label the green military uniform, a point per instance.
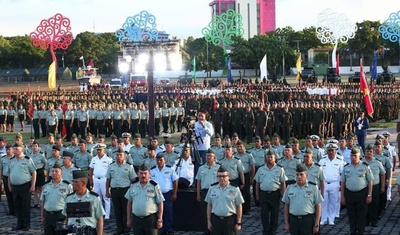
(290, 168)
(82, 159)
(219, 152)
(67, 172)
(315, 174)
(138, 155)
(355, 179)
(51, 161)
(119, 178)
(248, 162)
(53, 197)
(145, 200)
(235, 168)
(270, 181)
(4, 163)
(170, 158)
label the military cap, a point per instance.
(113, 137)
(154, 138)
(217, 136)
(360, 111)
(151, 147)
(227, 137)
(275, 136)
(160, 155)
(309, 151)
(270, 152)
(240, 142)
(166, 135)
(235, 135)
(100, 146)
(77, 174)
(308, 137)
(355, 150)
(333, 141)
(55, 147)
(18, 145)
(143, 167)
(82, 141)
(73, 136)
(222, 169)
(350, 135)
(267, 138)
(35, 142)
(301, 168)
(58, 137)
(378, 142)
(67, 154)
(379, 137)
(288, 146)
(321, 136)
(120, 140)
(228, 146)
(331, 146)
(257, 137)
(18, 135)
(137, 136)
(9, 145)
(314, 137)
(2, 139)
(210, 151)
(120, 150)
(369, 147)
(168, 142)
(48, 135)
(295, 141)
(126, 135)
(101, 136)
(386, 133)
(89, 135)
(57, 165)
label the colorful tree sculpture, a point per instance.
(138, 28)
(390, 30)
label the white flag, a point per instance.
(263, 68)
(81, 58)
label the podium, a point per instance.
(187, 214)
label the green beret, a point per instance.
(355, 151)
(222, 169)
(144, 167)
(57, 165)
(77, 174)
(301, 168)
(369, 147)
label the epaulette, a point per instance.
(338, 158)
(153, 182)
(168, 166)
(303, 151)
(295, 157)
(365, 163)
(113, 162)
(64, 181)
(176, 152)
(339, 154)
(312, 183)
(12, 157)
(347, 164)
(40, 152)
(236, 158)
(71, 194)
(3, 155)
(247, 151)
(153, 167)
(76, 150)
(317, 164)
(27, 157)
(379, 160)
(87, 151)
(279, 165)
(135, 180)
(94, 194)
(126, 152)
(214, 183)
(218, 163)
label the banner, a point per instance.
(365, 90)
(263, 68)
(52, 75)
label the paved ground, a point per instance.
(251, 222)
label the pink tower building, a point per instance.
(258, 16)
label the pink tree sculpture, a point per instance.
(53, 33)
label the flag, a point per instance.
(337, 64)
(30, 111)
(298, 67)
(374, 71)
(229, 75)
(263, 68)
(194, 69)
(81, 58)
(364, 89)
(64, 110)
(52, 75)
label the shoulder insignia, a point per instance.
(365, 163)
(279, 165)
(163, 151)
(87, 151)
(247, 151)
(168, 166)
(135, 180)
(153, 167)
(128, 163)
(94, 194)
(27, 157)
(64, 181)
(317, 164)
(153, 182)
(113, 162)
(235, 157)
(218, 163)
(71, 194)
(126, 152)
(347, 164)
(312, 183)
(76, 150)
(12, 157)
(214, 183)
(339, 154)
(176, 152)
(379, 160)
(40, 152)
(338, 158)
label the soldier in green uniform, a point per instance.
(53, 200)
(83, 157)
(378, 184)
(356, 191)
(4, 173)
(21, 182)
(170, 155)
(145, 219)
(55, 158)
(137, 151)
(249, 124)
(40, 162)
(302, 211)
(249, 171)
(315, 173)
(52, 122)
(270, 185)
(206, 176)
(234, 166)
(166, 117)
(217, 148)
(82, 194)
(151, 160)
(119, 177)
(224, 209)
(48, 147)
(134, 116)
(68, 167)
(289, 163)
(74, 146)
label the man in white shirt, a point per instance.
(184, 168)
(203, 132)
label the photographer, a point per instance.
(203, 132)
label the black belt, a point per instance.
(270, 191)
(99, 178)
(356, 191)
(21, 185)
(143, 217)
(119, 187)
(53, 212)
(301, 216)
(204, 189)
(223, 217)
(331, 182)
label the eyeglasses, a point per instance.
(222, 176)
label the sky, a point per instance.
(181, 18)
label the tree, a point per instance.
(367, 38)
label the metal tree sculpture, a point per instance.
(138, 28)
(333, 27)
(53, 33)
(222, 27)
(390, 30)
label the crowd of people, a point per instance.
(229, 179)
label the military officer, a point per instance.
(234, 166)
(206, 176)
(82, 194)
(289, 163)
(356, 191)
(53, 200)
(151, 160)
(48, 147)
(302, 211)
(315, 173)
(21, 182)
(119, 177)
(217, 148)
(82, 158)
(276, 145)
(378, 184)
(270, 185)
(145, 204)
(170, 155)
(68, 166)
(137, 151)
(4, 173)
(40, 162)
(56, 158)
(224, 206)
